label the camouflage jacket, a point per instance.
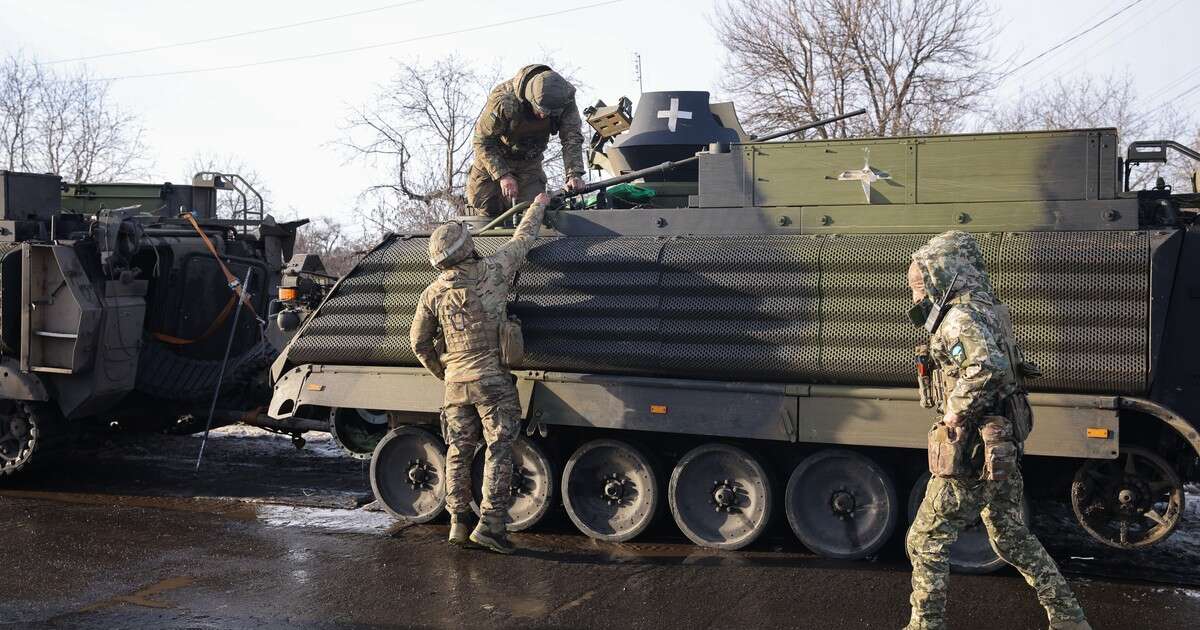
(464, 308)
(975, 369)
(508, 131)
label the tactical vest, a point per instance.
(528, 136)
(465, 324)
(468, 327)
(989, 451)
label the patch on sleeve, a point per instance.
(958, 353)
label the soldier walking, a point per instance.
(972, 371)
(466, 307)
(511, 137)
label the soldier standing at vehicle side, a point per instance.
(976, 373)
(465, 307)
(512, 133)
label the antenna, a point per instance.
(637, 71)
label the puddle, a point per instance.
(146, 597)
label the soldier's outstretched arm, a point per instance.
(512, 254)
(981, 366)
(493, 123)
(422, 334)
(570, 133)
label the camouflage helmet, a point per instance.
(549, 93)
(450, 244)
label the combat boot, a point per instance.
(460, 530)
(494, 538)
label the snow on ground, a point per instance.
(318, 444)
(1176, 558)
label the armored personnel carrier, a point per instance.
(735, 349)
(118, 304)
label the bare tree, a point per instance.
(917, 66)
(1087, 101)
(65, 123)
(417, 131)
(19, 84)
(329, 238)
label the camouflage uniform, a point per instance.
(977, 378)
(510, 140)
(480, 397)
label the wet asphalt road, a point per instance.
(126, 535)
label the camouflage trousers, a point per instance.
(483, 192)
(949, 506)
(486, 409)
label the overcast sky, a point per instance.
(281, 118)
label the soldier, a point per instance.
(465, 307)
(973, 373)
(512, 133)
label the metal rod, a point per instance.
(212, 408)
(500, 219)
(815, 123)
(630, 176)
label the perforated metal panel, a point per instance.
(366, 321)
(741, 307)
(780, 308)
(368, 317)
(1080, 305)
(590, 304)
(867, 337)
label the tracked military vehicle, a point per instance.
(117, 304)
(736, 350)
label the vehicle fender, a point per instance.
(18, 385)
(288, 388)
(1165, 414)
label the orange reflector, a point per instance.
(287, 294)
(659, 409)
(1097, 432)
(314, 387)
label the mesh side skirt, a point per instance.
(781, 308)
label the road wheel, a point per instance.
(720, 496)
(1133, 501)
(610, 490)
(532, 484)
(408, 474)
(358, 431)
(25, 429)
(841, 504)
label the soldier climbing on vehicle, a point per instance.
(511, 137)
(466, 309)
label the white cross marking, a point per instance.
(867, 175)
(674, 114)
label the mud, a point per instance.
(127, 535)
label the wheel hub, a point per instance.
(14, 435)
(520, 483)
(842, 503)
(614, 489)
(724, 497)
(419, 474)
(1130, 497)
